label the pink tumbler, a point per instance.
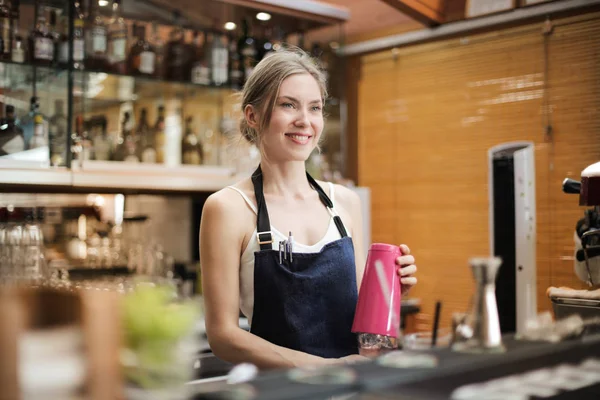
(377, 316)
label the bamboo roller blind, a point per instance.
(428, 114)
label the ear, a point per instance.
(251, 116)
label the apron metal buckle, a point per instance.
(267, 240)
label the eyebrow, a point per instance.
(296, 100)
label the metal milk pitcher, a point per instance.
(484, 334)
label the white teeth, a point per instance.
(299, 138)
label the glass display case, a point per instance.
(142, 94)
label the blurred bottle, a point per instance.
(219, 60)
(11, 136)
(159, 49)
(41, 42)
(5, 30)
(160, 136)
(127, 149)
(85, 140)
(96, 39)
(146, 137)
(102, 142)
(247, 48)
(192, 152)
(117, 40)
(57, 132)
(200, 72)
(177, 57)
(78, 37)
(236, 72)
(142, 57)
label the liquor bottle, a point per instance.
(177, 57)
(41, 43)
(57, 134)
(40, 132)
(5, 30)
(159, 49)
(219, 60)
(236, 72)
(84, 139)
(191, 147)
(117, 40)
(27, 122)
(54, 32)
(11, 136)
(78, 37)
(18, 46)
(247, 49)
(142, 57)
(127, 144)
(200, 68)
(146, 137)
(101, 141)
(160, 135)
(96, 40)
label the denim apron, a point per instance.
(307, 304)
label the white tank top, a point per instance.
(247, 259)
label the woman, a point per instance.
(300, 306)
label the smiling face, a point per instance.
(296, 121)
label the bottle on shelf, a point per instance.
(27, 122)
(117, 40)
(200, 71)
(236, 72)
(142, 57)
(54, 32)
(146, 137)
(17, 53)
(177, 57)
(84, 139)
(127, 148)
(219, 60)
(159, 49)
(11, 135)
(5, 30)
(57, 134)
(160, 135)
(247, 49)
(40, 132)
(78, 37)
(191, 148)
(95, 39)
(41, 42)
(101, 141)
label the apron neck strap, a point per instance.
(263, 224)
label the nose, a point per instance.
(302, 118)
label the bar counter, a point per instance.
(527, 370)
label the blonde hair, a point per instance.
(262, 87)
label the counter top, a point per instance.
(373, 381)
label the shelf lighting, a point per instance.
(263, 16)
(230, 26)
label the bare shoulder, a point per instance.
(347, 198)
(227, 204)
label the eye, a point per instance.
(287, 105)
(316, 108)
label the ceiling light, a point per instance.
(334, 45)
(102, 3)
(263, 16)
(229, 26)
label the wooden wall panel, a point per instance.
(429, 113)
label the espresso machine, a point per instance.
(587, 250)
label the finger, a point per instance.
(409, 281)
(405, 260)
(408, 270)
(405, 249)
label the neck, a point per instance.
(287, 178)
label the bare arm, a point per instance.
(220, 248)
(351, 214)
